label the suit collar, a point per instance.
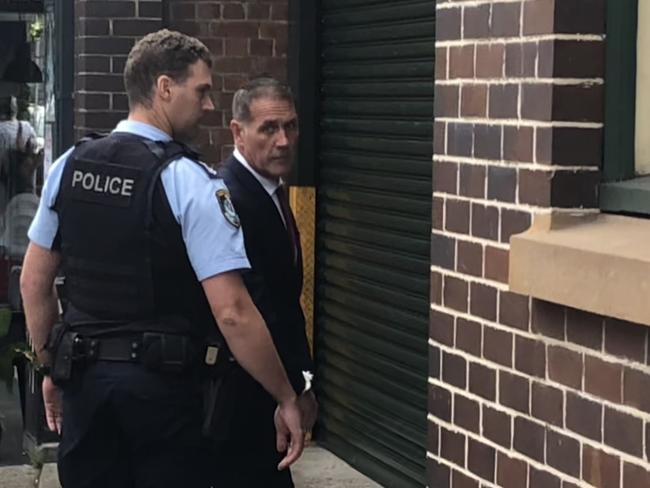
(268, 184)
(248, 180)
(267, 213)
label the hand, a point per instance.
(53, 405)
(289, 432)
(309, 409)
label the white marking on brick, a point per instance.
(587, 82)
(483, 256)
(519, 207)
(491, 11)
(444, 213)
(535, 130)
(469, 3)
(508, 163)
(476, 240)
(521, 20)
(447, 63)
(462, 23)
(446, 143)
(521, 39)
(518, 104)
(620, 470)
(461, 469)
(523, 122)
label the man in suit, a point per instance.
(265, 133)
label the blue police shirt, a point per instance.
(214, 245)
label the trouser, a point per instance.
(245, 455)
(127, 427)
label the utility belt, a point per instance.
(156, 351)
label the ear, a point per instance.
(164, 85)
(237, 129)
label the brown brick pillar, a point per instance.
(247, 38)
(105, 31)
(523, 393)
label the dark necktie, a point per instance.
(288, 220)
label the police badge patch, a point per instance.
(223, 196)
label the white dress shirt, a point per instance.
(268, 184)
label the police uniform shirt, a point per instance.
(214, 243)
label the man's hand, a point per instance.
(309, 409)
(290, 436)
(53, 405)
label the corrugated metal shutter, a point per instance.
(373, 234)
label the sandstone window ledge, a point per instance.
(594, 262)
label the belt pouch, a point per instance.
(165, 352)
(62, 358)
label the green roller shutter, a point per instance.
(373, 233)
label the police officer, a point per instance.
(151, 251)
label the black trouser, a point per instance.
(127, 427)
(245, 456)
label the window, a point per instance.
(626, 168)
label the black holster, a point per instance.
(218, 405)
(62, 346)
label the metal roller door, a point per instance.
(373, 233)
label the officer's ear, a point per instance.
(164, 86)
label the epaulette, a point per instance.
(212, 174)
(91, 137)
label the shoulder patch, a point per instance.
(227, 208)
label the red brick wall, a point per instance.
(104, 34)
(523, 393)
(247, 38)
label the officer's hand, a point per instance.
(53, 406)
(289, 432)
(309, 409)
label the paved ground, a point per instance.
(317, 468)
(22, 476)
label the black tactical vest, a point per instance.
(125, 263)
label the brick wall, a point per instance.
(105, 31)
(523, 393)
(247, 38)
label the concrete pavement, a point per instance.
(21, 476)
(317, 468)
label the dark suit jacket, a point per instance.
(246, 455)
(274, 282)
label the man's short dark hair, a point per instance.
(262, 87)
(160, 53)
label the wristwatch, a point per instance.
(42, 369)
